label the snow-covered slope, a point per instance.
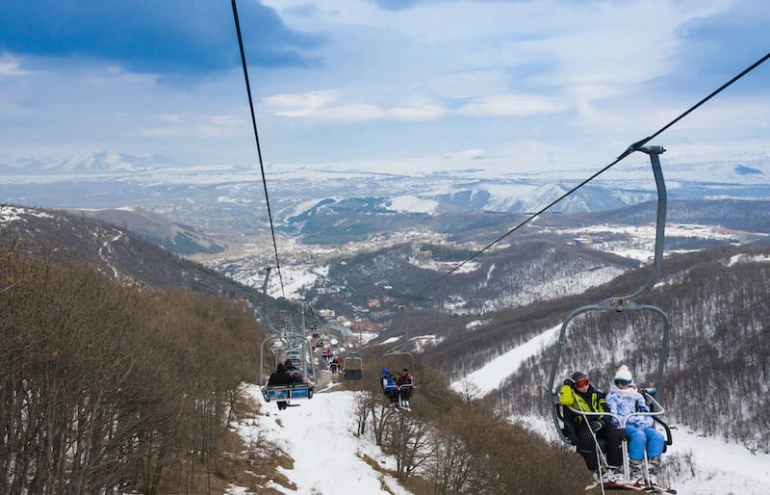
(319, 435)
(328, 457)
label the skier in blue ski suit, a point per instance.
(389, 386)
(624, 399)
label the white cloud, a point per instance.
(470, 83)
(174, 119)
(11, 67)
(160, 132)
(227, 120)
(299, 105)
(511, 105)
(414, 84)
(317, 105)
(422, 112)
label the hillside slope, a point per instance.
(114, 250)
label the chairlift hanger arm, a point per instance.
(660, 220)
(270, 326)
(629, 303)
(405, 346)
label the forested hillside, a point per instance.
(116, 251)
(108, 387)
(512, 276)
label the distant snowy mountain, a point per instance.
(231, 197)
(101, 162)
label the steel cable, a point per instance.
(256, 138)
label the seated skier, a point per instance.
(578, 393)
(389, 387)
(295, 372)
(623, 400)
(405, 382)
(280, 377)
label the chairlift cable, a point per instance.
(713, 94)
(633, 147)
(256, 138)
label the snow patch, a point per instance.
(747, 258)
(12, 213)
(496, 371)
(413, 204)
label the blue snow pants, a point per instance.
(638, 438)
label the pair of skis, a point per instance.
(633, 486)
(403, 406)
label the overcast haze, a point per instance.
(493, 84)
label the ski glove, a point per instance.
(595, 425)
(570, 382)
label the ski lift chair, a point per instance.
(560, 418)
(656, 410)
(353, 367)
(303, 390)
(568, 430)
(401, 357)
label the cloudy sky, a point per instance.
(502, 84)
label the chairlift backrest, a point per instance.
(304, 386)
(297, 348)
(353, 363)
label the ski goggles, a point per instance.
(583, 382)
(620, 382)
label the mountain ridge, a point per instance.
(231, 197)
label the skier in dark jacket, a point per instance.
(278, 378)
(578, 393)
(405, 384)
(295, 372)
